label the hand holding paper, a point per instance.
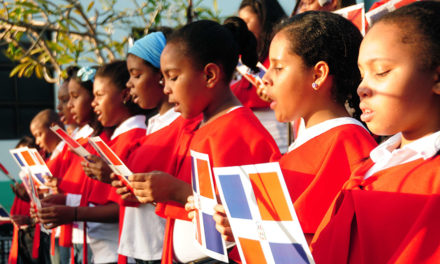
(112, 160)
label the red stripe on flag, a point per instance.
(355, 17)
(40, 160)
(270, 197)
(27, 157)
(252, 251)
(204, 179)
(108, 153)
(403, 3)
(67, 138)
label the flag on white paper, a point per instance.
(73, 144)
(208, 239)
(30, 159)
(261, 214)
(114, 162)
(373, 15)
(356, 14)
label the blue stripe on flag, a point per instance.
(235, 196)
(39, 177)
(288, 253)
(18, 159)
(213, 238)
(193, 175)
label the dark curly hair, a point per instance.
(420, 24)
(207, 41)
(323, 36)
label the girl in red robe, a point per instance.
(389, 209)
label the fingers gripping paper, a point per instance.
(208, 239)
(261, 214)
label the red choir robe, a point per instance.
(316, 170)
(390, 217)
(19, 207)
(164, 150)
(235, 138)
(99, 193)
(247, 93)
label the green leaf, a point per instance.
(39, 71)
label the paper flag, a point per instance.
(73, 144)
(261, 214)
(356, 14)
(114, 162)
(253, 77)
(30, 159)
(373, 15)
(208, 239)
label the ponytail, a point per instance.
(247, 44)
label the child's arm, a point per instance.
(158, 186)
(53, 216)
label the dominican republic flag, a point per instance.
(72, 143)
(356, 14)
(261, 214)
(373, 15)
(114, 162)
(208, 239)
(29, 159)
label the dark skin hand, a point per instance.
(155, 186)
(20, 191)
(20, 220)
(97, 168)
(55, 215)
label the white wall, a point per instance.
(6, 159)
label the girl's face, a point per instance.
(288, 81)
(396, 93)
(63, 110)
(144, 85)
(108, 102)
(251, 19)
(183, 82)
(79, 103)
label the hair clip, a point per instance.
(86, 74)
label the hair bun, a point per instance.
(246, 41)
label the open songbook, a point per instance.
(114, 162)
(72, 143)
(29, 160)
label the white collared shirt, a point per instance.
(136, 121)
(306, 134)
(159, 121)
(83, 132)
(388, 154)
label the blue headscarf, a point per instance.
(149, 48)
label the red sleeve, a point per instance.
(316, 171)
